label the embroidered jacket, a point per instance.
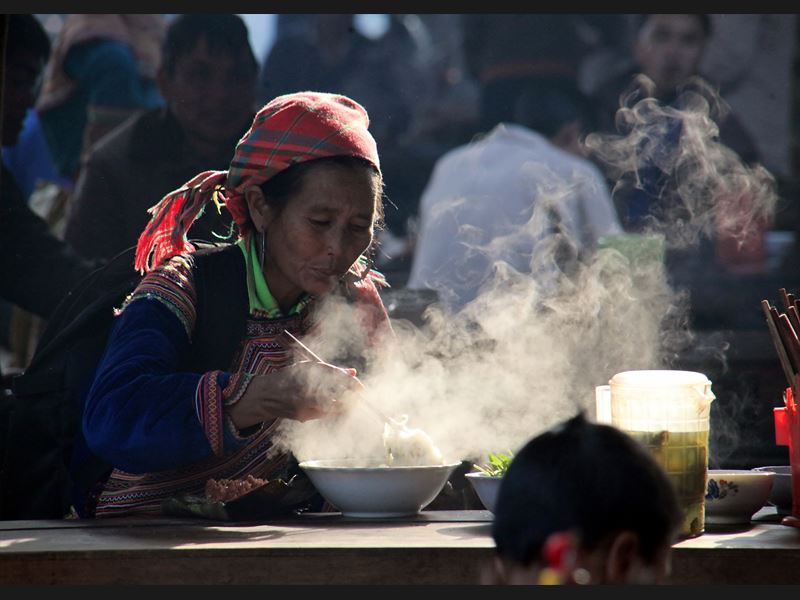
(164, 430)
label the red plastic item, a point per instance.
(787, 433)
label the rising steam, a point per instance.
(528, 350)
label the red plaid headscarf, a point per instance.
(290, 129)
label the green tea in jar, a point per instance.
(684, 456)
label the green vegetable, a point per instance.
(498, 464)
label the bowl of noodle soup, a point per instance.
(399, 484)
(366, 488)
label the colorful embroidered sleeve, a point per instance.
(142, 414)
(172, 284)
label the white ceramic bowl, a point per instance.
(486, 487)
(733, 496)
(781, 495)
(371, 489)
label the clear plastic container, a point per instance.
(668, 411)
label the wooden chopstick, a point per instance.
(785, 297)
(309, 353)
(786, 365)
(794, 318)
(790, 341)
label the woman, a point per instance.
(304, 188)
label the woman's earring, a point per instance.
(261, 250)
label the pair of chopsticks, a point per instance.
(311, 355)
(784, 328)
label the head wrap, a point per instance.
(289, 130)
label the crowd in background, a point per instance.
(126, 110)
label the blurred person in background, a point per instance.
(30, 160)
(208, 79)
(101, 71)
(36, 268)
(668, 49)
(330, 54)
(505, 52)
(667, 52)
(750, 57)
(584, 504)
(482, 202)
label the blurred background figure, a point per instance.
(667, 52)
(330, 54)
(312, 52)
(30, 160)
(523, 195)
(101, 71)
(208, 80)
(36, 269)
(668, 49)
(750, 58)
(504, 52)
(584, 504)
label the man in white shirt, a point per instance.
(522, 197)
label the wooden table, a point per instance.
(437, 547)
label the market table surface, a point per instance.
(435, 547)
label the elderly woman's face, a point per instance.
(320, 233)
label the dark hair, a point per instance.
(705, 22)
(25, 33)
(547, 105)
(588, 478)
(224, 33)
(280, 188)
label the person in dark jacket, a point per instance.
(36, 269)
(665, 60)
(208, 79)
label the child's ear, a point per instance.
(623, 555)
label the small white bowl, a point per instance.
(486, 487)
(781, 495)
(372, 489)
(733, 496)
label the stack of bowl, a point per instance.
(781, 495)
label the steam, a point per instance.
(528, 350)
(705, 188)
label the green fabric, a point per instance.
(262, 302)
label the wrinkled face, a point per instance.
(325, 226)
(21, 81)
(669, 48)
(211, 94)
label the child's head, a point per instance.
(584, 503)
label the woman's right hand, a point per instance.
(303, 391)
